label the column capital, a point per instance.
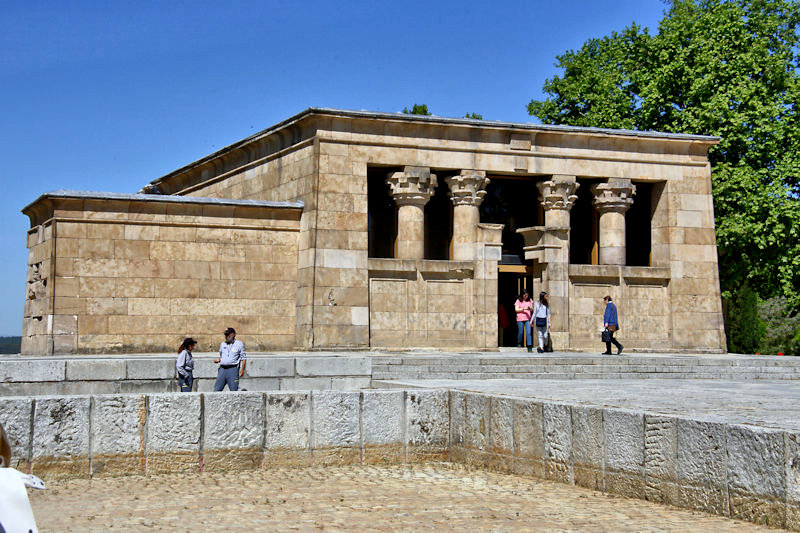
(558, 192)
(412, 186)
(614, 196)
(468, 187)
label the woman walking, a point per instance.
(541, 317)
(185, 364)
(524, 308)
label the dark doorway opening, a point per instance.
(382, 213)
(509, 286)
(439, 223)
(638, 223)
(515, 203)
(583, 225)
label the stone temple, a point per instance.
(355, 230)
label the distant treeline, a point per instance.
(10, 344)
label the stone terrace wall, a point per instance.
(746, 472)
(79, 436)
(741, 471)
(137, 273)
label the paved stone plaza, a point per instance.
(353, 498)
(770, 404)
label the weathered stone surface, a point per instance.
(587, 436)
(382, 417)
(32, 370)
(150, 368)
(173, 423)
(15, 417)
(117, 424)
(477, 421)
(95, 370)
(333, 366)
(624, 441)
(288, 421)
(660, 447)
(701, 453)
(427, 418)
(458, 418)
(335, 419)
(755, 461)
(60, 443)
(528, 429)
(233, 421)
(501, 430)
(270, 367)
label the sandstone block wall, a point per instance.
(130, 274)
(641, 295)
(81, 436)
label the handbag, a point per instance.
(605, 336)
(541, 322)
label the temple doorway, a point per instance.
(511, 281)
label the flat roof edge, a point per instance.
(433, 119)
(96, 195)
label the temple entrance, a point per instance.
(511, 281)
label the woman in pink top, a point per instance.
(524, 308)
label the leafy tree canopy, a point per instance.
(417, 109)
(715, 67)
(474, 116)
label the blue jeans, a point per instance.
(186, 383)
(524, 325)
(227, 376)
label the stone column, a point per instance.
(558, 196)
(612, 200)
(467, 191)
(411, 190)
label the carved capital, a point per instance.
(412, 186)
(468, 188)
(614, 196)
(558, 193)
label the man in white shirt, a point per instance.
(232, 361)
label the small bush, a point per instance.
(745, 327)
(782, 331)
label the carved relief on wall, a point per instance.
(36, 291)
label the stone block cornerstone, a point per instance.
(354, 230)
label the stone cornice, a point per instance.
(302, 127)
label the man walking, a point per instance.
(232, 361)
(610, 325)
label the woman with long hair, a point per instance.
(541, 318)
(185, 364)
(524, 308)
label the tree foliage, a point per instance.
(474, 116)
(745, 328)
(417, 109)
(715, 67)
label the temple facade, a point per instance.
(355, 230)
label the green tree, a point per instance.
(417, 109)
(745, 328)
(715, 67)
(474, 116)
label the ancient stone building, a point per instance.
(344, 229)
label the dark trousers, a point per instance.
(227, 376)
(186, 383)
(613, 340)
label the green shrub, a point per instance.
(782, 332)
(745, 327)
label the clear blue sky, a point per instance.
(106, 96)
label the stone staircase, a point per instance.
(506, 365)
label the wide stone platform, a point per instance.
(145, 373)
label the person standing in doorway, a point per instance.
(185, 364)
(610, 325)
(541, 317)
(524, 308)
(232, 361)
